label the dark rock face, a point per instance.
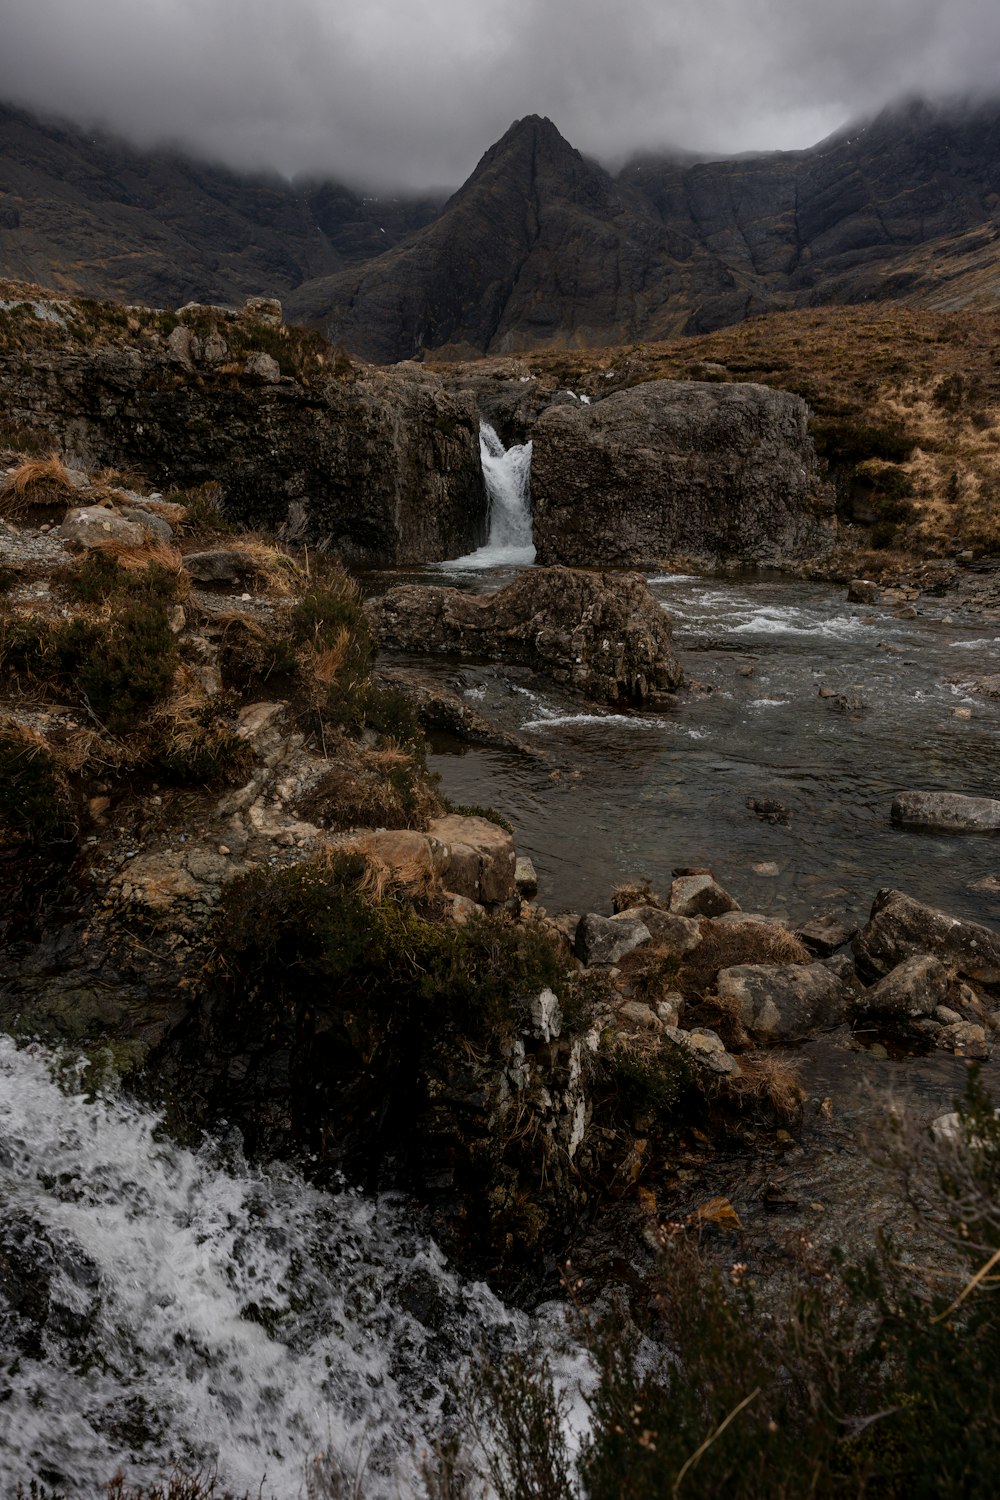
(676, 466)
(601, 633)
(784, 1001)
(382, 469)
(901, 928)
(947, 812)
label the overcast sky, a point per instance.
(411, 92)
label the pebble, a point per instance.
(224, 849)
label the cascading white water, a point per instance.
(179, 1309)
(507, 472)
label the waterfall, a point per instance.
(163, 1304)
(507, 472)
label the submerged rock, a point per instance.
(784, 1002)
(601, 633)
(676, 466)
(900, 928)
(946, 811)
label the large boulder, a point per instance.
(677, 466)
(602, 941)
(901, 928)
(479, 858)
(601, 633)
(783, 1002)
(946, 812)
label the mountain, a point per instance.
(89, 214)
(542, 247)
(539, 248)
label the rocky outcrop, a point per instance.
(600, 633)
(381, 467)
(901, 928)
(946, 812)
(721, 471)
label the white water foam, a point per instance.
(507, 472)
(221, 1317)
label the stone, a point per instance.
(480, 859)
(525, 878)
(668, 930)
(670, 467)
(603, 634)
(863, 591)
(264, 367)
(603, 941)
(900, 927)
(220, 565)
(155, 525)
(988, 685)
(700, 896)
(264, 309)
(965, 1038)
(91, 525)
(642, 1017)
(706, 1048)
(769, 810)
(181, 343)
(546, 1015)
(946, 812)
(915, 987)
(824, 934)
(215, 350)
(783, 1002)
(411, 855)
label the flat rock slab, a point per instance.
(900, 927)
(784, 1002)
(949, 812)
(823, 935)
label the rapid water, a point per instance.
(638, 795)
(160, 1305)
(507, 473)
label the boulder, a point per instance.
(264, 367)
(668, 930)
(706, 1048)
(602, 941)
(900, 927)
(217, 566)
(700, 896)
(414, 857)
(916, 987)
(784, 1002)
(264, 309)
(949, 812)
(676, 466)
(603, 634)
(863, 591)
(525, 876)
(479, 858)
(155, 525)
(92, 525)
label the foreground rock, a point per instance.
(901, 928)
(783, 1002)
(914, 988)
(677, 466)
(947, 811)
(600, 633)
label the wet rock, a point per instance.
(668, 930)
(916, 987)
(988, 686)
(600, 633)
(784, 1002)
(863, 591)
(91, 525)
(675, 466)
(824, 934)
(525, 877)
(480, 859)
(602, 941)
(900, 927)
(700, 896)
(946, 811)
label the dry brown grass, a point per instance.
(36, 482)
(370, 789)
(272, 570)
(769, 1083)
(634, 893)
(724, 945)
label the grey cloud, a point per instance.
(411, 92)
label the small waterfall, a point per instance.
(167, 1304)
(507, 472)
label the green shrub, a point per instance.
(99, 578)
(35, 807)
(473, 810)
(852, 439)
(120, 668)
